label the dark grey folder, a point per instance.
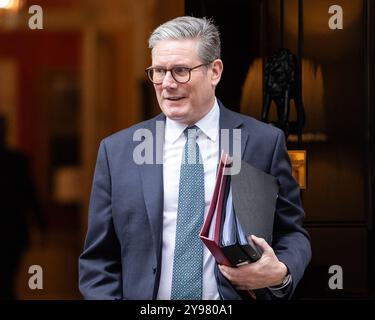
(254, 197)
(250, 203)
(231, 235)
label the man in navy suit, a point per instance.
(129, 250)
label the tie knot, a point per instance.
(192, 132)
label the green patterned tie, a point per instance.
(188, 256)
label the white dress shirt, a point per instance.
(174, 142)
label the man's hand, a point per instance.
(267, 271)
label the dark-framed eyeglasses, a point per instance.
(179, 74)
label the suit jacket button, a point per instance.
(153, 270)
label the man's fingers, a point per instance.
(226, 271)
(261, 243)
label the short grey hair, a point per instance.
(186, 28)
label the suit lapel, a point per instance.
(231, 120)
(152, 184)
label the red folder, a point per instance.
(214, 217)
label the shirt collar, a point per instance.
(209, 125)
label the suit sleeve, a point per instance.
(100, 262)
(291, 242)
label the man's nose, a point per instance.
(169, 81)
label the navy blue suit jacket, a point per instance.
(122, 252)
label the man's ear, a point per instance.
(217, 69)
